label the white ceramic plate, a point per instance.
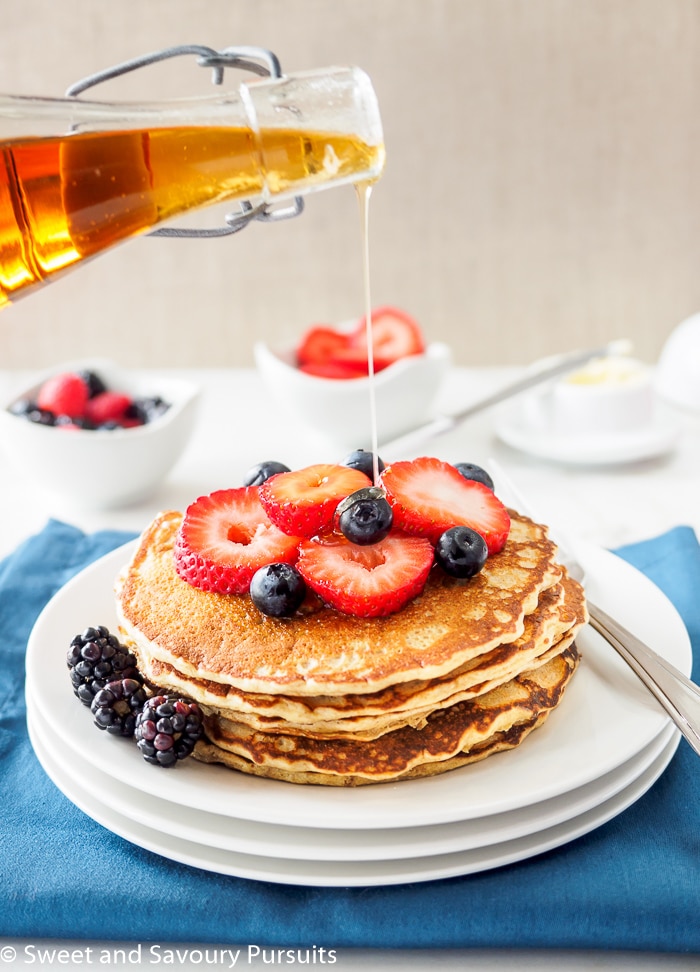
(277, 840)
(348, 873)
(516, 429)
(606, 719)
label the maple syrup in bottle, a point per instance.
(77, 177)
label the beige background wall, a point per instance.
(542, 189)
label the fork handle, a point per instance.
(677, 694)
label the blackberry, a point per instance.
(116, 706)
(95, 384)
(96, 657)
(167, 729)
(146, 410)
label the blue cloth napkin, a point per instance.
(632, 884)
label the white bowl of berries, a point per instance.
(324, 378)
(97, 436)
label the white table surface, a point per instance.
(238, 426)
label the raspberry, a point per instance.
(167, 729)
(107, 406)
(64, 394)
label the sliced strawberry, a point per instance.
(429, 496)
(107, 406)
(335, 368)
(349, 363)
(395, 334)
(225, 537)
(302, 503)
(64, 394)
(320, 343)
(357, 357)
(330, 353)
(368, 582)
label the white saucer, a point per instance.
(348, 873)
(520, 431)
(606, 719)
(279, 841)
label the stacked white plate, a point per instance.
(595, 756)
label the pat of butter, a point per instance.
(609, 371)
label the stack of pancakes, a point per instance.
(465, 670)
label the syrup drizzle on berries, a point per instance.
(327, 530)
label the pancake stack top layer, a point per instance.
(465, 670)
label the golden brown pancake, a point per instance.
(452, 736)
(225, 639)
(467, 669)
(208, 752)
(560, 610)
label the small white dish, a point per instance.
(339, 409)
(606, 413)
(100, 470)
(520, 430)
(608, 396)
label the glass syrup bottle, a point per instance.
(77, 176)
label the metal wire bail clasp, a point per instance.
(257, 60)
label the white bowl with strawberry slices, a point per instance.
(85, 447)
(324, 378)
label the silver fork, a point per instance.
(678, 696)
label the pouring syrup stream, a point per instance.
(364, 191)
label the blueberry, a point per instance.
(277, 590)
(258, 474)
(364, 461)
(461, 551)
(40, 416)
(471, 471)
(81, 423)
(22, 407)
(365, 516)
